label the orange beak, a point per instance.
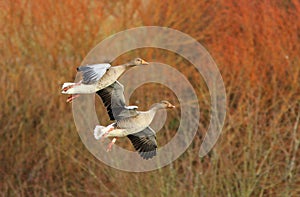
(171, 106)
(144, 62)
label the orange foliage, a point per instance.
(255, 44)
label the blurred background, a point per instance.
(254, 43)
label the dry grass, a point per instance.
(256, 45)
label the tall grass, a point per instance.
(255, 45)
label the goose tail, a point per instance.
(66, 86)
(99, 131)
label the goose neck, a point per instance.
(156, 107)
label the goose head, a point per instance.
(137, 62)
(164, 105)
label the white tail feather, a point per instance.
(99, 132)
(79, 88)
(67, 84)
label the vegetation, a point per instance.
(256, 46)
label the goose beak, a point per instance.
(144, 62)
(171, 106)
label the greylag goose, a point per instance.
(96, 77)
(128, 121)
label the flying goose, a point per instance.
(128, 121)
(96, 77)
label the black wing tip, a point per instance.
(148, 155)
(144, 150)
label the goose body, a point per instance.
(98, 76)
(128, 121)
(131, 125)
(134, 124)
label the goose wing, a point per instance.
(145, 143)
(92, 73)
(114, 101)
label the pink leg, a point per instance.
(71, 86)
(109, 147)
(71, 98)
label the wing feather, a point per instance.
(114, 101)
(92, 73)
(144, 142)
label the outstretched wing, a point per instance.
(92, 73)
(145, 143)
(114, 101)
